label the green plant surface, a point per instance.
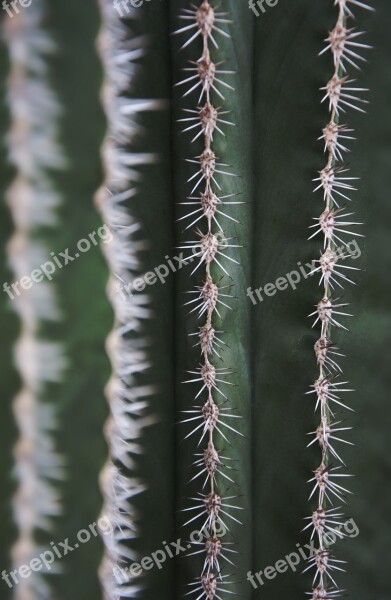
(76, 75)
(289, 120)
(154, 209)
(235, 149)
(369, 348)
(275, 151)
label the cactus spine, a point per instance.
(207, 203)
(332, 224)
(34, 152)
(126, 345)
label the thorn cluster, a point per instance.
(333, 224)
(35, 151)
(126, 346)
(212, 414)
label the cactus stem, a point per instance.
(210, 248)
(335, 184)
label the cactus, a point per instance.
(54, 68)
(229, 272)
(132, 460)
(41, 363)
(128, 399)
(334, 223)
(211, 411)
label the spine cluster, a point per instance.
(126, 345)
(205, 206)
(334, 225)
(34, 153)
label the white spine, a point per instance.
(126, 345)
(206, 207)
(32, 200)
(333, 224)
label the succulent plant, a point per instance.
(195, 126)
